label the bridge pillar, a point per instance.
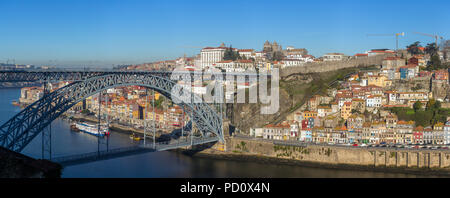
(47, 132)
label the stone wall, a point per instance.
(316, 67)
(333, 155)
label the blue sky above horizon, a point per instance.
(106, 32)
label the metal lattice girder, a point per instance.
(78, 75)
(16, 133)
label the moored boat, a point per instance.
(74, 128)
(93, 129)
(15, 103)
(134, 137)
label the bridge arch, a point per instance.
(17, 132)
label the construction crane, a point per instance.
(396, 37)
(436, 37)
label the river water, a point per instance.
(160, 164)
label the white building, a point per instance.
(211, 55)
(334, 57)
(373, 101)
(447, 132)
(256, 132)
(247, 53)
(303, 58)
(295, 131)
(234, 66)
(291, 62)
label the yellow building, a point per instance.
(346, 110)
(309, 114)
(378, 80)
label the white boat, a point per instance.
(93, 129)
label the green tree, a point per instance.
(434, 63)
(437, 105)
(431, 49)
(417, 106)
(230, 54)
(431, 104)
(414, 48)
(277, 56)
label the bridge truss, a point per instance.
(18, 132)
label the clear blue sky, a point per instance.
(103, 32)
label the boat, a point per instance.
(15, 103)
(134, 137)
(93, 129)
(74, 128)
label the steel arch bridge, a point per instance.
(78, 75)
(16, 133)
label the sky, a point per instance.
(106, 32)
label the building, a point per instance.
(428, 135)
(418, 135)
(359, 104)
(295, 131)
(374, 101)
(375, 52)
(346, 110)
(334, 57)
(295, 51)
(447, 132)
(417, 60)
(409, 71)
(441, 75)
(271, 47)
(438, 133)
(234, 66)
(393, 62)
(409, 98)
(323, 111)
(211, 55)
(247, 53)
(277, 132)
(355, 121)
(378, 80)
(306, 135)
(309, 114)
(291, 62)
(256, 132)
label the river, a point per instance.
(160, 164)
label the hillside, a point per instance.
(295, 90)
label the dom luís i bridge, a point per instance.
(36, 118)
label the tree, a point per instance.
(434, 63)
(231, 55)
(437, 104)
(417, 106)
(414, 48)
(431, 49)
(277, 56)
(431, 104)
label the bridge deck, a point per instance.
(127, 151)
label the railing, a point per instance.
(167, 145)
(303, 144)
(92, 156)
(125, 151)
